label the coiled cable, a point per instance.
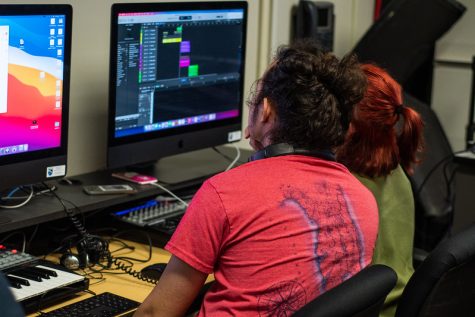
(128, 269)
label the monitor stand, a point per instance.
(194, 167)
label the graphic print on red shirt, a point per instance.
(287, 297)
(280, 240)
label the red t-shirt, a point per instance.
(276, 233)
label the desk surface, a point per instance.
(121, 284)
(48, 208)
(465, 157)
(178, 172)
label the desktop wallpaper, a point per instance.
(31, 80)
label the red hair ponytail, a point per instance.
(410, 139)
(374, 146)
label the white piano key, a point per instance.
(38, 288)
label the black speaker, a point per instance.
(404, 35)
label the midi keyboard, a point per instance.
(36, 283)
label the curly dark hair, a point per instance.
(312, 93)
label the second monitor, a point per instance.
(35, 59)
(176, 78)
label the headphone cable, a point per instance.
(433, 169)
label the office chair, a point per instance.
(402, 39)
(360, 296)
(443, 285)
(433, 191)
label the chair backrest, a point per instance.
(444, 284)
(404, 35)
(433, 194)
(362, 295)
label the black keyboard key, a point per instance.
(27, 274)
(101, 305)
(47, 271)
(38, 272)
(13, 283)
(21, 281)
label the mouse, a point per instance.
(153, 271)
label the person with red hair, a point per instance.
(382, 143)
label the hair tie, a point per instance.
(398, 109)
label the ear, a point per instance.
(268, 112)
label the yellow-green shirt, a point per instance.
(394, 245)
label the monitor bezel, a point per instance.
(32, 10)
(118, 147)
(30, 167)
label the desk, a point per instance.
(47, 208)
(179, 172)
(122, 284)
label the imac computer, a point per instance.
(35, 46)
(176, 79)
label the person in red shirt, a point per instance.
(290, 224)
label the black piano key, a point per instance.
(27, 274)
(50, 272)
(13, 283)
(38, 272)
(21, 281)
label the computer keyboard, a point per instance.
(101, 305)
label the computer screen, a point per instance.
(176, 78)
(35, 44)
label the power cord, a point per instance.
(170, 192)
(129, 270)
(98, 249)
(433, 169)
(120, 262)
(11, 197)
(227, 157)
(123, 263)
(238, 155)
(71, 215)
(231, 165)
(30, 192)
(450, 198)
(93, 248)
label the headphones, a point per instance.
(91, 249)
(281, 149)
